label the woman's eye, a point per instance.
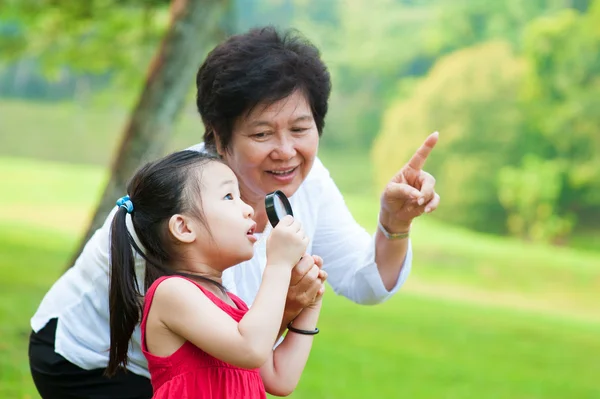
(228, 197)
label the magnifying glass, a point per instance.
(278, 206)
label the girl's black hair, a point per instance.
(158, 191)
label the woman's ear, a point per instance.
(182, 228)
(218, 145)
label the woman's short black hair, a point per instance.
(261, 66)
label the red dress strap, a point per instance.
(190, 372)
(236, 312)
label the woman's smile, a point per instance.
(283, 175)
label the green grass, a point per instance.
(31, 259)
(481, 316)
(420, 347)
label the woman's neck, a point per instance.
(261, 219)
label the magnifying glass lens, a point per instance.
(278, 206)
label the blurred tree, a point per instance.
(463, 23)
(530, 195)
(471, 97)
(169, 79)
(80, 36)
(193, 26)
(562, 92)
(519, 133)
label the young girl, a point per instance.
(201, 341)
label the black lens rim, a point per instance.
(270, 206)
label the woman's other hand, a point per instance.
(410, 193)
(307, 285)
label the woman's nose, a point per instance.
(285, 150)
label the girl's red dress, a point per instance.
(192, 373)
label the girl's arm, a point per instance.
(283, 369)
(187, 312)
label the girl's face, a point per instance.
(273, 148)
(229, 239)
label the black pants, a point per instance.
(57, 378)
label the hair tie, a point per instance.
(126, 203)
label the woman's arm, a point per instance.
(408, 195)
(390, 255)
(364, 269)
(349, 251)
(281, 373)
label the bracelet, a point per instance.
(303, 332)
(392, 236)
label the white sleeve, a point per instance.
(348, 251)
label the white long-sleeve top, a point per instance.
(79, 299)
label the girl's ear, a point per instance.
(182, 228)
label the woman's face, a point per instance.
(273, 147)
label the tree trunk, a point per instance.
(195, 25)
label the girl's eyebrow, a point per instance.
(226, 182)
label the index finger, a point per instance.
(287, 220)
(417, 161)
(318, 260)
(303, 266)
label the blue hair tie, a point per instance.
(126, 203)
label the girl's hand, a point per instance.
(286, 243)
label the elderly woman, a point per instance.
(263, 99)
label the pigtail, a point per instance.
(157, 189)
(124, 295)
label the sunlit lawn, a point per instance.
(480, 317)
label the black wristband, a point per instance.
(303, 332)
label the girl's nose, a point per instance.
(248, 210)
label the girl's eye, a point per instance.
(228, 197)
